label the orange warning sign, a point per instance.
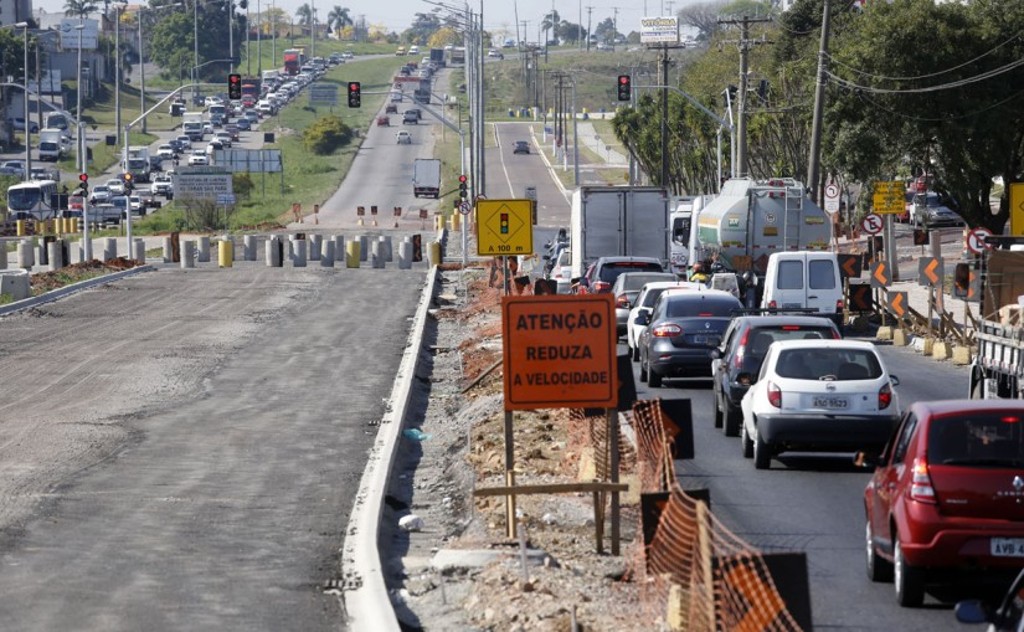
(559, 351)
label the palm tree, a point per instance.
(550, 23)
(305, 15)
(79, 8)
(338, 18)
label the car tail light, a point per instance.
(622, 301)
(884, 396)
(737, 361)
(1010, 419)
(668, 330)
(921, 488)
(791, 328)
(774, 395)
(836, 335)
(839, 306)
(601, 286)
(772, 304)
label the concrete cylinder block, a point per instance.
(204, 249)
(168, 250)
(364, 247)
(339, 246)
(376, 255)
(188, 254)
(315, 246)
(273, 252)
(389, 253)
(249, 247)
(434, 253)
(352, 254)
(109, 248)
(225, 253)
(3, 255)
(15, 283)
(405, 255)
(299, 259)
(327, 258)
(56, 257)
(139, 252)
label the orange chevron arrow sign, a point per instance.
(880, 277)
(897, 303)
(930, 271)
(850, 265)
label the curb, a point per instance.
(551, 170)
(67, 290)
(366, 598)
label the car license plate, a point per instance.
(834, 403)
(1007, 547)
(700, 340)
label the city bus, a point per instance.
(35, 199)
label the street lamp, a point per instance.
(28, 128)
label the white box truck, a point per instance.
(53, 144)
(192, 125)
(426, 178)
(608, 221)
(138, 162)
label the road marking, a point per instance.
(504, 167)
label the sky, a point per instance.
(397, 15)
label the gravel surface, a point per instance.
(458, 570)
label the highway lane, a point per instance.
(180, 450)
(812, 503)
(509, 174)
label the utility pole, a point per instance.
(663, 81)
(813, 161)
(745, 44)
(590, 11)
(615, 26)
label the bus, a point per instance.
(34, 199)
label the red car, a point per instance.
(947, 497)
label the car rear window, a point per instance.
(762, 337)
(791, 275)
(634, 282)
(611, 271)
(835, 364)
(822, 273)
(977, 439)
(697, 305)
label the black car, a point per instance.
(521, 147)
(1008, 616)
(601, 275)
(680, 333)
(737, 361)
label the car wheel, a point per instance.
(718, 413)
(653, 379)
(909, 581)
(746, 442)
(643, 370)
(762, 451)
(733, 418)
(879, 570)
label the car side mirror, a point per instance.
(642, 318)
(971, 611)
(866, 460)
(894, 380)
(716, 354)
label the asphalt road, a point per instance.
(812, 503)
(508, 175)
(180, 450)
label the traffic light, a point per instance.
(354, 96)
(962, 280)
(503, 223)
(625, 87)
(463, 186)
(83, 183)
(234, 86)
(129, 182)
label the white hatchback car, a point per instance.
(649, 293)
(819, 396)
(198, 157)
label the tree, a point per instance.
(550, 25)
(569, 32)
(338, 18)
(423, 26)
(703, 17)
(605, 31)
(80, 8)
(442, 37)
(305, 15)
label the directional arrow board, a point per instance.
(889, 198)
(930, 271)
(880, 277)
(896, 302)
(872, 223)
(850, 266)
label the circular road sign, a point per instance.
(976, 240)
(832, 191)
(465, 208)
(872, 224)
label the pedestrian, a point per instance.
(698, 274)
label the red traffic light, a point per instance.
(234, 78)
(623, 79)
(353, 86)
(83, 177)
(463, 178)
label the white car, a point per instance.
(649, 293)
(162, 185)
(403, 137)
(819, 396)
(224, 138)
(213, 100)
(561, 272)
(198, 157)
(165, 151)
(115, 186)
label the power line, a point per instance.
(936, 88)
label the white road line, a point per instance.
(501, 154)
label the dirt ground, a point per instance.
(46, 281)
(437, 576)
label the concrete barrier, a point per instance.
(168, 250)
(389, 255)
(376, 256)
(434, 253)
(3, 255)
(315, 246)
(109, 249)
(249, 247)
(225, 253)
(405, 255)
(327, 258)
(15, 283)
(139, 251)
(204, 249)
(339, 247)
(364, 249)
(273, 252)
(55, 253)
(352, 254)
(188, 254)
(299, 258)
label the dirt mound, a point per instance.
(46, 281)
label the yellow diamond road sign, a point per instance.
(889, 197)
(504, 227)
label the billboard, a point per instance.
(69, 34)
(659, 30)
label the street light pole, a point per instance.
(142, 73)
(117, 67)
(78, 114)
(195, 45)
(28, 122)
(231, 36)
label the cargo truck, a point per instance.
(426, 178)
(750, 220)
(192, 126)
(683, 225)
(437, 57)
(609, 221)
(292, 61)
(54, 144)
(457, 56)
(997, 370)
(139, 164)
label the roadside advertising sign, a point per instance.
(559, 351)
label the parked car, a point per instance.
(680, 332)
(820, 396)
(736, 363)
(521, 147)
(931, 210)
(945, 498)
(403, 137)
(17, 123)
(601, 275)
(645, 300)
(626, 289)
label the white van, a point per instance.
(807, 279)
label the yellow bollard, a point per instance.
(456, 221)
(434, 253)
(226, 254)
(352, 253)
(21, 228)
(74, 224)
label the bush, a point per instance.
(326, 135)
(242, 185)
